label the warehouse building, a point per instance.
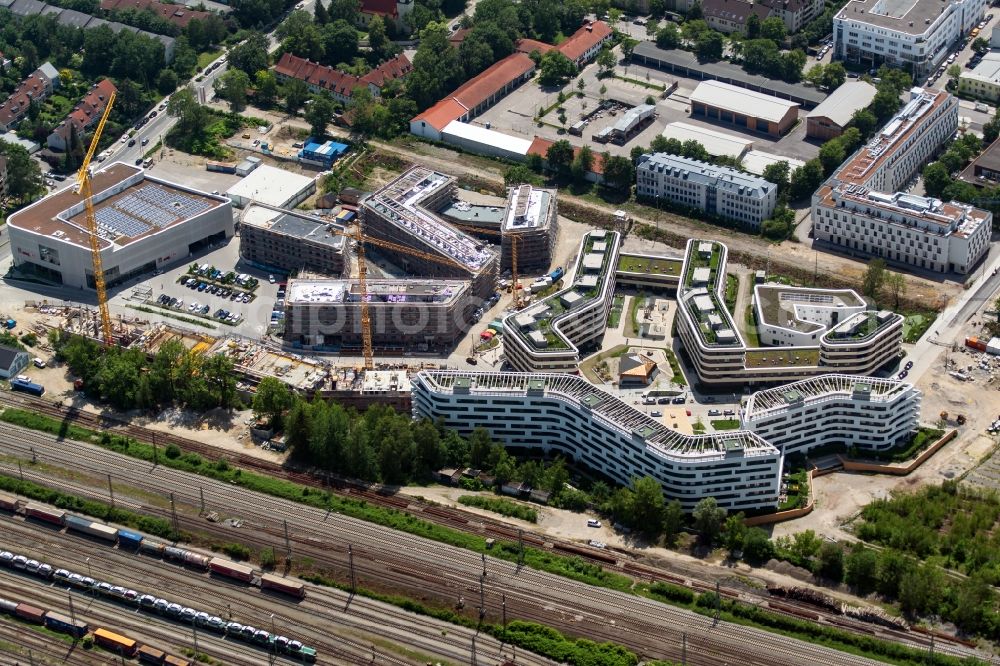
(565, 415)
(812, 341)
(864, 412)
(547, 336)
(290, 242)
(402, 212)
(716, 143)
(530, 223)
(718, 191)
(406, 315)
(744, 108)
(481, 141)
(860, 207)
(144, 224)
(273, 187)
(830, 119)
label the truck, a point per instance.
(556, 274)
(24, 386)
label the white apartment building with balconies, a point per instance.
(566, 415)
(719, 191)
(905, 34)
(867, 413)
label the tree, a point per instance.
(831, 155)
(232, 87)
(753, 27)
(436, 68)
(862, 569)
(378, 39)
(266, 84)
(734, 532)
(830, 564)
(778, 173)
(582, 164)
(647, 505)
(673, 521)
(619, 172)
(973, 607)
(757, 547)
(708, 517)
(555, 478)
(669, 37)
(320, 15)
(954, 72)
(694, 12)
(271, 400)
(24, 178)
(319, 114)
(834, 75)
(339, 42)
(891, 567)
(873, 278)
(895, 285)
(708, 45)
(773, 28)
(865, 121)
(295, 92)
(606, 60)
(980, 45)
(806, 179)
(920, 589)
(560, 156)
(479, 447)
(555, 69)
(249, 55)
(520, 174)
(166, 83)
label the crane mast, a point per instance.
(84, 189)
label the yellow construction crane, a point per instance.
(84, 189)
(514, 241)
(361, 239)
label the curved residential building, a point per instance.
(871, 414)
(547, 335)
(566, 415)
(800, 332)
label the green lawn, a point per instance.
(631, 327)
(632, 264)
(675, 367)
(207, 58)
(615, 315)
(726, 424)
(915, 325)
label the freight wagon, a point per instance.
(116, 643)
(55, 516)
(154, 548)
(7, 606)
(8, 503)
(175, 661)
(229, 569)
(150, 655)
(286, 585)
(127, 539)
(194, 559)
(91, 528)
(59, 622)
(30, 613)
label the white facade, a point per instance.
(547, 336)
(797, 316)
(871, 414)
(482, 141)
(720, 191)
(48, 234)
(983, 82)
(913, 36)
(566, 415)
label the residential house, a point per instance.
(795, 13)
(178, 14)
(84, 116)
(394, 11)
(732, 15)
(583, 45)
(339, 84)
(36, 88)
(12, 361)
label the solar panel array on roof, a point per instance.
(120, 223)
(147, 207)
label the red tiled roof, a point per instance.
(89, 109)
(476, 90)
(179, 15)
(396, 68)
(584, 39)
(33, 87)
(529, 45)
(540, 146)
(380, 7)
(339, 82)
(459, 36)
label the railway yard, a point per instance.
(386, 560)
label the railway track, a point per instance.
(460, 520)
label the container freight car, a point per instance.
(154, 548)
(27, 387)
(116, 643)
(30, 613)
(287, 585)
(130, 540)
(8, 503)
(229, 569)
(91, 528)
(150, 655)
(55, 516)
(67, 625)
(175, 661)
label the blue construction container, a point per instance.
(127, 539)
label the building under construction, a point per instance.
(406, 315)
(402, 212)
(530, 223)
(290, 242)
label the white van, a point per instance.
(39, 363)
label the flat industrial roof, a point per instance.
(913, 17)
(755, 161)
(778, 305)
(129, 205)
(527, 208)
(741, 100)
(488, 137)
(715, 142)
(305, 227)
(334, 290)
(270, 185)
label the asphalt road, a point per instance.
(411, 563)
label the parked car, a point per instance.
(593, 522)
